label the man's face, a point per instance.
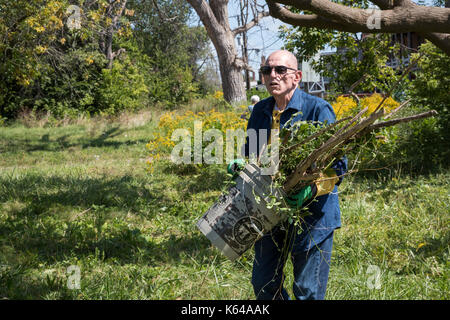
(281, 85)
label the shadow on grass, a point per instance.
(61, 143)
(50, 243)
(36, 227)
(431, 247)
(41, 192)
(122, 249)
(198, 178)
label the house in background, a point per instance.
(409, 43)
(312, 82)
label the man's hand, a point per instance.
(323, 185)
(297, 200)
(235, 166)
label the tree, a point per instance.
(105, 19)
(395, 16)
(214, 16)
(28, 29)
(428, 142)
(358, 65)
(113, 11)
(176, 50)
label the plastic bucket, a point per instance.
(237, 219)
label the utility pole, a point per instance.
(244, 46)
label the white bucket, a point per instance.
(237, 220)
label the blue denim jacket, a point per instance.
(325, 212)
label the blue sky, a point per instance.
(262, 39)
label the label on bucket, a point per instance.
(236, 220)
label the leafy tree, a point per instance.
(28, 29)
(113, 58)
(422, 144)
(356, 55)
(174, 49)
(427, 143)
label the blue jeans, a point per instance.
(311, 267)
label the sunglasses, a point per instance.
(281, 70)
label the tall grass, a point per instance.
(80, 195)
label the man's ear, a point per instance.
(298, 76)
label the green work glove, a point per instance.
(235, 166)
(297, 200)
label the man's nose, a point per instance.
(273, 73)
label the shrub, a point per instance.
(123, 88)
(375, 152)
(345, 105)
(162, 144)
(425, 144)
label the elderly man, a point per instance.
(310, 249)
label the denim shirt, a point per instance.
(325, 212)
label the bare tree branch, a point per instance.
(251, 24)
(310, 20)
(396, 16)
(393, 122)
(402, 19)
(161, 14)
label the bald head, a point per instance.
(282, 83)
(284, 55)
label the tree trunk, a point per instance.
(232, 84)
(114, 11)
(232, 81)
(214, 16)
(108, 48)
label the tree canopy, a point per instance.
(96, 56)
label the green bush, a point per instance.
(427, 143)
(262, 94)
(420, 145)
(123, 88)
(69, 88)
(169, 83)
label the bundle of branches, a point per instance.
(308, 149)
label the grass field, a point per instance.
(77, 202)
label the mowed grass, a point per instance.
(81, 195)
